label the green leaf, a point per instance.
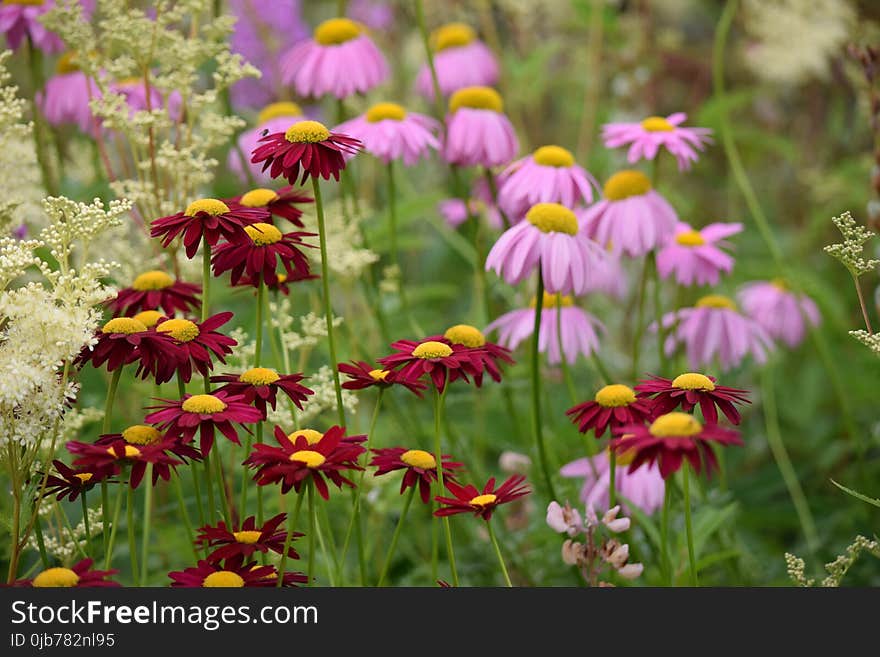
(643, 520)
(857, 495)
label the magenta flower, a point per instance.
(391, 133)
(65, 98)
(644, 487)
(477, 131)
(339, 59)
(460, 60)
(784, 314)
(695, 256)
(480, 204)
(135, 93)
(375, 14)
(20, 20)
(646, 137)
(276, 117)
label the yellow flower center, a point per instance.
(552, 218)
(123, 325)
(223, 579)
(259, 376)
(382, 111)
(476, 98)
(690, 238)
(627, 457)
(258, 198)
(716, 301)
(336, 31)
(204, 405)
(675, 424)
(312, 437)
(181, 330)
(553, 300)
(615, 395)
(148, 318)
(274, 110)
(131, 452)
(780, 284)
(84, 477)
(141, 434)
(469, 336)
(248, 537)
(419, 458)
(310, 458)
(693, 381)
(263, 234)
(657, 124)
(306, 132)
(624, 184)
(281, 277)
(483, 500)
(553, 156)
(432, 349)
(67, 63)
(452, 35)
(152, 280)
(379, 375)
(211, 206)
(56, 578)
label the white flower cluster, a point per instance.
(836, 569)
(323, 400)
(67, 544)
(850, 251)
(347, 258)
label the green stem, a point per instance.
(394, 537)
(184, 514)
(206, 277)
(692, 560)
(537, 424)
(600, 368)
(640, 318)
(132, 548)
(105, 429)
(291, 525)
(612, 478)
(330, 562)
(41, 544)
(664, 533)
(312, 521)
(221, 482)
(498, 553)
(209, 483)
(658, 315)
(108, 557)
(85, 512)
(439, 399)
(439, 108)
(261, 293)
(148, 511)
(493, 192)
(395, 252)
(105, 505)
(35, 63)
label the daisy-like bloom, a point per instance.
(71, 482)
(281, 283)
(260, 385)
(340, 59)
(279, 204)
(246, 540)
(468, 499)
(420, 467)
(121, 453)
(671, 438)
(460, 60)
(477, 131)
(149, 318)
(363, 375)
(455, 212)
(612, 406)
(208, 219)
(140, 435)
(632, 218)
(490, 355)
(232, 573)
(259, 254)
(548, 237)
(644, 487)
(306, 145)
(442, 362)
(156, 290)
(695, 256)
(20, 20)
(714, 328)
(205, 414)
(389, 132)
(783, 314)
(689, 389)
(200, 342)
(65, 99)
(80, 575)
(275, 117)
(646, 137)
(579, 329)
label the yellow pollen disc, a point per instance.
(382, 111)
(247, 537)
(131, 452)
(306, 132)
(476, 98)
(204, 404)
(274, 110)
(83, 476)
(552, 218)
(223, 579)
(553, 156)
(419, 458)
(259, 376)
(657, 124)
(553, 300)
(312, 437)
(263, 234)
(124, 325)
(432, 349)
(615, 395)
(336, 31)
(693, 381)
(690, 238)
(141, 434)
(281, 278)
(779, 284)
(624, 184)
(211, 206)
(452, 35)
(182, 330)
(56, 578)
(148, 318)
(379, 375)
(716, 301)
(258, 198)
(152, 280)
(465, 334)
(675, 424)
(627, 457)
(67, 63)
(310, 458)
(483, 500)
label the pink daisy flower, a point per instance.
(276, 117)
(135, 93)
(632, 218)
(644, 487)
(460, 60)
(339, 59)
(480, 204)
(477, 132)
(646, 137)
(695, 256)
(783, 314)
(390, 133)
(20, 19)
(65, 99)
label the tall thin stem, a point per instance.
(429, 54)
(184, 514)
(108, 557)
(498, 553)
(386, 564)
(692, 560)
(145, 533)
(132, 547)
(105, 429)
(261, 293)
(862, 304)
(640, 318)
(85, 514)
(395, 251)
(439, 399)
(612, 478)
(291, 525)
(206, 277)
(664, 532)
(312, 522)
(537, 423)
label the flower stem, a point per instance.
(312, 522)
(640, 318)
(658, 315)
(493, 193)
(261, 293)
(664, 533)
(393, 545)
(395, 252)
(426, 41)
(209, 482)
(184, 514)
(692, 560)
(35, 63)
(148, 510)
(132, 548)
(439, 399)
(862, 303)
(109, 556)
(221, 483)
(498, 553)
(537, 424)
(291, 525)
(206, 277)
(85, 512)
(105, 429)
(612, 478)
(41, 544)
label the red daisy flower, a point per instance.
(259, 253)
(689, 389)
(306, 145)
(260, 385)
(671, 438)
(154, 290)
(143, 434)
(470, 500)
(233, 573)
(361, 375)
(420, 466)
(149, 318)
(282, 281)
(207, 219)
(120, 453)
(489, 354)
(199, 341)
(71, 482)
(246, 540)
(79, 576)
(279, 204)
(613, 406)
(441, 361)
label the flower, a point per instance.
(477, 131)
(564, 519)
(134, 92)
(420, 466)
(340, 59)
(783, 314)
(455, 212)
(156, 290)
(70, 482)
(481, 503)
(275, 117)
(260, 385)
(248, 539)
(549, 237)
(460, 60)
(444, 363)
(577, 328)
(206, 219)
(281, 283)
(669, 439)
(643, 488)
(121, 453)
(389, 132)
(232, 573)
(143, 434)
(612, 406)
(489, 354)
(632, 218)
(79, 576)
(259, 253)
(199, 341)
(279, 204)
(362, 375)
(65, 98)
(693, 255)
(20, 21)
(689, 389)
(646, 137)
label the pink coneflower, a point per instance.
(689, 389)
(455, 212)
(340, 59)
(477, 131)
(389, 132)
(460, 60)
(275, 117)
(643, 487)
(65, 99)
(20, 20)
(695, 256)
(646, 137)
(375, 14)
(632, 218)
(784, 314)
